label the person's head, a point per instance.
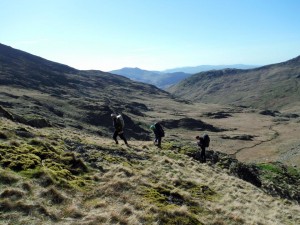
(152, 127)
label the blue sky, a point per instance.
(153, 34)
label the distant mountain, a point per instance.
(157, 78)
(274, 86)
(167, 78)
(198, 69)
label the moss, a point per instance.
(41, 174)
(270, 167)
(168, 204)
(156, 197)
(21, 161)
(187, 150)
(166, 218)
(197, 191)
(171, 145)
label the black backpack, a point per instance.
(159, 128)
(206, 140)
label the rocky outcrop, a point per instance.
(34, 122)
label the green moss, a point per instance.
(270, 167)
(168, 204)
(186, 149)
(21, 161)
(154, 196)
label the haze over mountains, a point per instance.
(167, 78)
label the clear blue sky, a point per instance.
(153, 34)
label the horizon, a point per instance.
(153, 35)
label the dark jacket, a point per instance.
(117, 125)
(158, 131)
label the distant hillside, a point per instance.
(274, 86)
(157, 78)
(34, 89)
(198, 69)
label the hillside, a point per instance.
(157, 78)
(35, 90)
(270, 87)
(59, 164)
(61, 176)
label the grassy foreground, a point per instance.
(62, 176)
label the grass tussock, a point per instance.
(7, 177)
(53, 195)
(12, 194)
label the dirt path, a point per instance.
(274, 136)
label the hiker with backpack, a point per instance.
(203, 142)
(118, 124)
(158, 132)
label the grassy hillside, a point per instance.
(61, 176)
(269, 87)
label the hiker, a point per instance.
(118, 124)
(200, 143)
(158, 132)
(203, 142)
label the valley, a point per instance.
(60, 165)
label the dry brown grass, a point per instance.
(127, 191)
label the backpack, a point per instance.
(206, 140)
(120, 120)
(159, 128)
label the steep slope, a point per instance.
(270, 87)
(157, 78)
(60, 176)
(34, 90)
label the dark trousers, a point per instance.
(121, 135)
(157, 141)
(202, 155)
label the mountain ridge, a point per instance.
(274, 86)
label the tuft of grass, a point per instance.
(13, 194)
(54, 196)
(7, 177)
